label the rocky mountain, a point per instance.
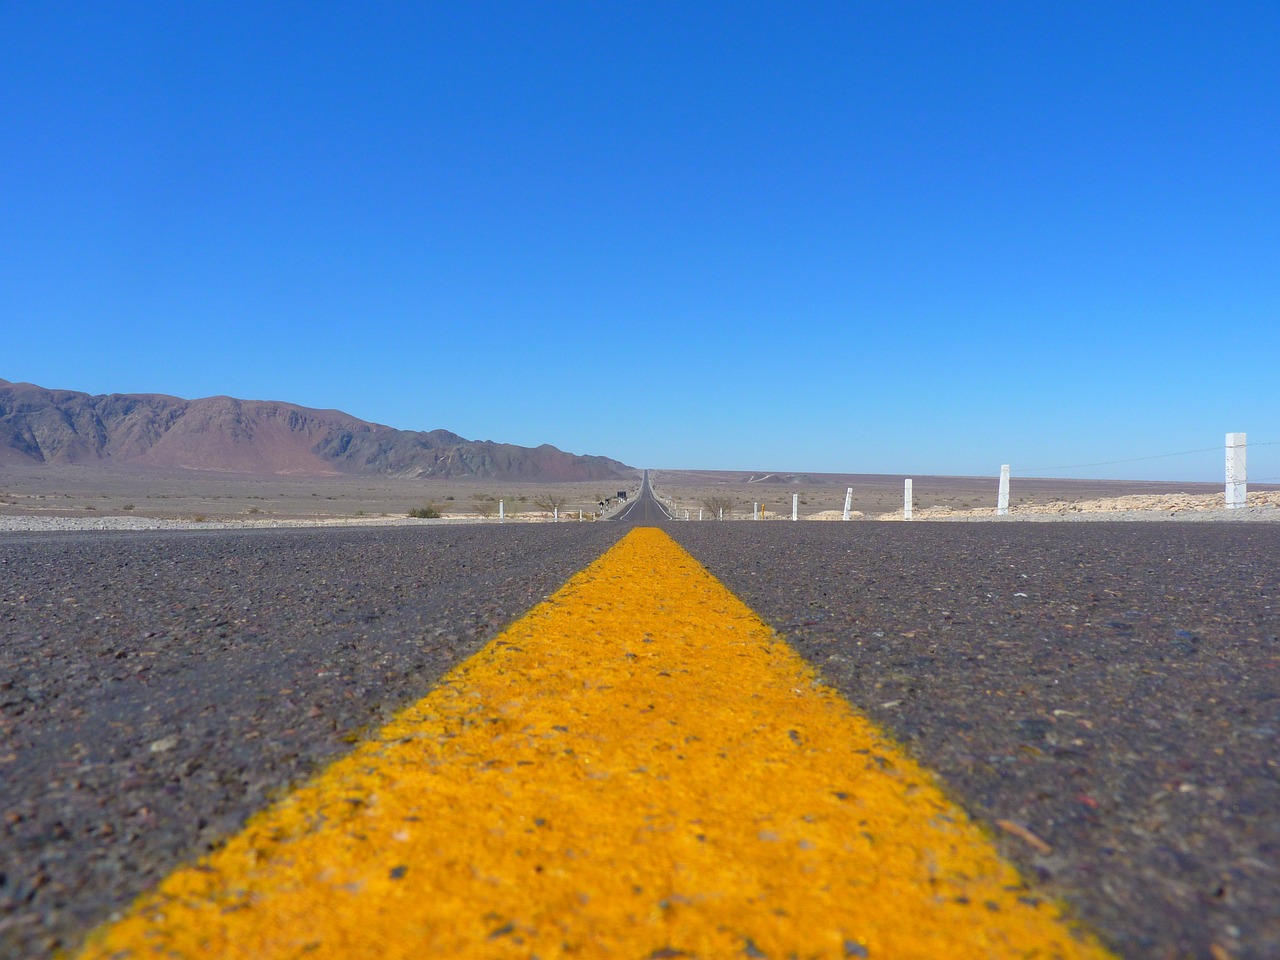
(153, 431)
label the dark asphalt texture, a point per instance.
(1112, 687)
(155, 689)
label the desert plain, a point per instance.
(96, 497)
(80, 497)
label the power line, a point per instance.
(1107, 463)
(1158, 456)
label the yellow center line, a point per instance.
(638, 768)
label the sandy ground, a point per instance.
(1260, 505)
(90, 499)
(879, 497)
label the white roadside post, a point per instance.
(906, 499)
(699, 514)
(722, 513)
(1002, 501)
(755, 511)
(502, 511)
(555, 513)
(848, 502)
(1237, 493)
(795, 506)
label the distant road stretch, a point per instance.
(645, 509)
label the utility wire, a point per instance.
(1158, 456)
(1106, 463)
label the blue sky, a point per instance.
(893, 237)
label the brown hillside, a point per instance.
(223, 434)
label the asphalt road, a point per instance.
(1111, 688)
(155, 689)
(644, 510)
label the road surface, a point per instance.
(1106, 692)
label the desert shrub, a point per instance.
(484, 504)
(714, 505)
(429, 512)
(550, 502)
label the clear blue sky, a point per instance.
(863, 236)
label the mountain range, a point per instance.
(157, 432)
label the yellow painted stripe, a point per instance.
(638, 768)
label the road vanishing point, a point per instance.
(643, 739)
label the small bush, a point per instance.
(714, 505)
(127, 506)
(550, 502)
(429, 512)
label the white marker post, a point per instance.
(502, 511)
(795, 506)
(699, 514)
(755, 511)
(1002, 501)
(848, 502)
(1237, 494)
(906, 499)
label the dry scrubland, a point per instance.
(85, 495)
(879, 497)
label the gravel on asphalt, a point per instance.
(155, 689)
(1105, 697)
